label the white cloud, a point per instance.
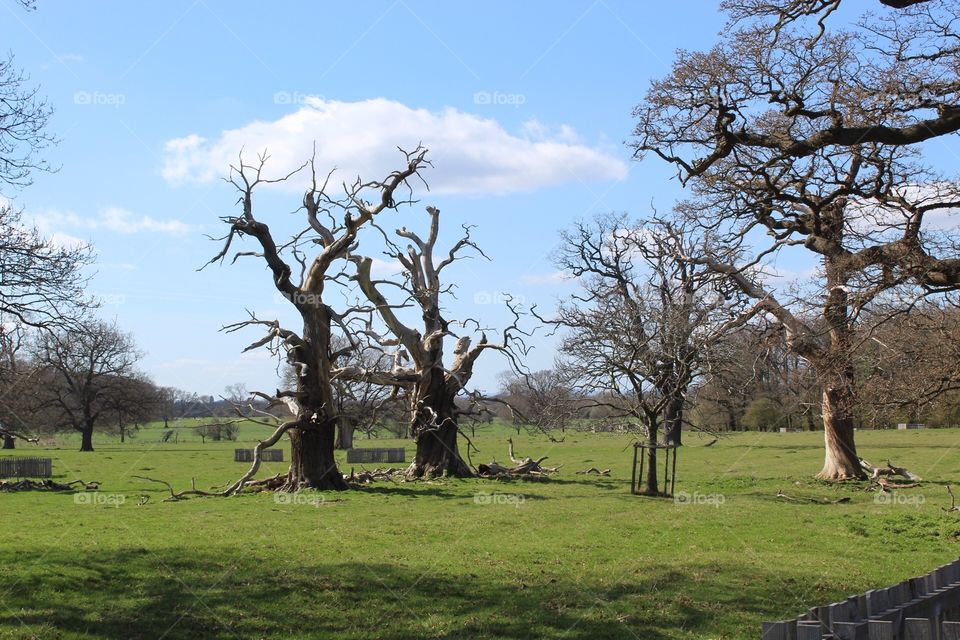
(125, 222)
(116, 219)
(471, 154)
(557, 277)
(385, 268)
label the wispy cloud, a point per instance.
(114, 219)
(557, 277)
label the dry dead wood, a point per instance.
(47, 485)
(594, 471)
(879, 476)
(889, 470)
(366, 477)
(808, 500)
(953, 502)
(526, 468)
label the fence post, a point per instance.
(880, 630)
(917, 629)
(950, 631)
(783, 630)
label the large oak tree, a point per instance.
(802, 130)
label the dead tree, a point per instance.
(805, 135)
(644, 324)
(332, 222)
(432, 385)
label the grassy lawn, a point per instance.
(574, 557)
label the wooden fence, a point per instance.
(376, 455)
(26, 467)
(267, 455)
(923, 608)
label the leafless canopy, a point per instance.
(23, 121)
(808, 134)
(302, 268)
(790, 88)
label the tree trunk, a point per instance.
(437, 454)
(841, 461)
(673, 422)
(86, 441)
(653, 488)
(312, 464)
(836, 371)
(345, 432)
(9, 442)
(435, 430)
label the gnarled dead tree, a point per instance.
(332, 222)
(805, 135)
(432, 384)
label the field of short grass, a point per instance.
(572, 557)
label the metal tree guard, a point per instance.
(669, 467)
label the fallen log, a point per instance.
(366, 477)
(526, 468)
(46, 485)
(889, 470)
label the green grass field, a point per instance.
(573, 557)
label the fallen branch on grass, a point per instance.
(953, 502)
(594, 471)
(46, 485)
(806, 500)
(366, 477)
(10, 433)
(526, 468)
(889, 470)
(885, 485)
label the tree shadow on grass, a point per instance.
(139, 594)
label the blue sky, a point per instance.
(526, 107)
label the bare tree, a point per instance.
(131, 400)
(42, 283)
(543, 400)
(83, 370)
(432, 385)
(910, 363)
(23, 122)
(311, 351)
(751, 363)
(16, 378)
(642, 328)
(803, 134)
